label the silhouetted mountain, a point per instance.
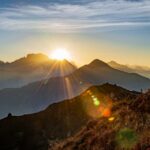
(98, 72)
(126, 128)
(38, 95)
(145, 71)
(33, 67)
(60, 120)
(98, 63)
(1, 62)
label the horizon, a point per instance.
(74, 63)
(106, 30)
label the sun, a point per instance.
(60, 54)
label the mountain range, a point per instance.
(144, 71)
(38, 95)
(33, 67)
(16, 74)
(61, 120)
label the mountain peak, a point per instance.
(38, 56)
(113, 62)
(98, 63)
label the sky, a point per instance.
(105, 29)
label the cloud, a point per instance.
(75, 17)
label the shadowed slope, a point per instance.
(127, 128)
(59, 120)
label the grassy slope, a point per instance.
(130, 129)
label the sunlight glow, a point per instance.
(60, 54)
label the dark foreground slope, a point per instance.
(128, 128)
(37, 96)
(60, 120)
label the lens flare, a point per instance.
(106, 112)
(111, 119)
(96, 102)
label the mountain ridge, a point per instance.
(59, 120)
(144, 71)
(37, 96)
(127, 128)
(16, 73)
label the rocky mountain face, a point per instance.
(43, 130)
(38, 95)
(33, 67)
(127, 128)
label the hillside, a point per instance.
(60, 120)
(127, 128)
(37, 96)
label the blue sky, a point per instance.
(72, 16)
(124, 25)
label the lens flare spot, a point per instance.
(111, 119)
(93, 96)
(96, 102)
(106, 112)
(95, 99)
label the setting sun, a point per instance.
(60, 54)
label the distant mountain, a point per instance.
(38, 95)
(1, 62)
(145, 71)
(32, 68)
(98, 72)
(126, 128)
(60, 120)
